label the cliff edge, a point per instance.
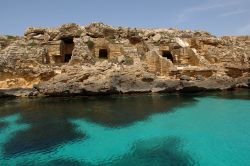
(100, 59)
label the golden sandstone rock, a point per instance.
(100, 59)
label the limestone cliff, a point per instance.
(100, 59)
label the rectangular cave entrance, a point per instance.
(103, 54)
(67, 49)
(168, 55)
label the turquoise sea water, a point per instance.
(140, 130)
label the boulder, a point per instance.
(199, 78)
(185, 78)
(156, 38)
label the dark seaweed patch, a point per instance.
(3, 125)
(65, 162)
(49, 117)
(160, 152)
(42, 137)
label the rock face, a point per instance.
(100, 59)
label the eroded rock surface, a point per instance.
(100, 59)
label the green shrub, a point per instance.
(79, 32)
(12, 37)
(113, 60)
(128, 60)
(111, 38)
(90, 44)
(33, 44)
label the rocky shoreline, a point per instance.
(171, 86)
(98, 59)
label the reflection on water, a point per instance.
(123, 130)
(110, 111)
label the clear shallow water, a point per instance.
(212, 129)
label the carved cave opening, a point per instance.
(103, 53)
(67, 57)
(67, 49)
(168, 55)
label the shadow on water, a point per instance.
(241, 94)
(238, 94)
(48, 118)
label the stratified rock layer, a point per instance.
(100, 59)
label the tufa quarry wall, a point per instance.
(100, 59)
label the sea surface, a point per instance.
(211, 129)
